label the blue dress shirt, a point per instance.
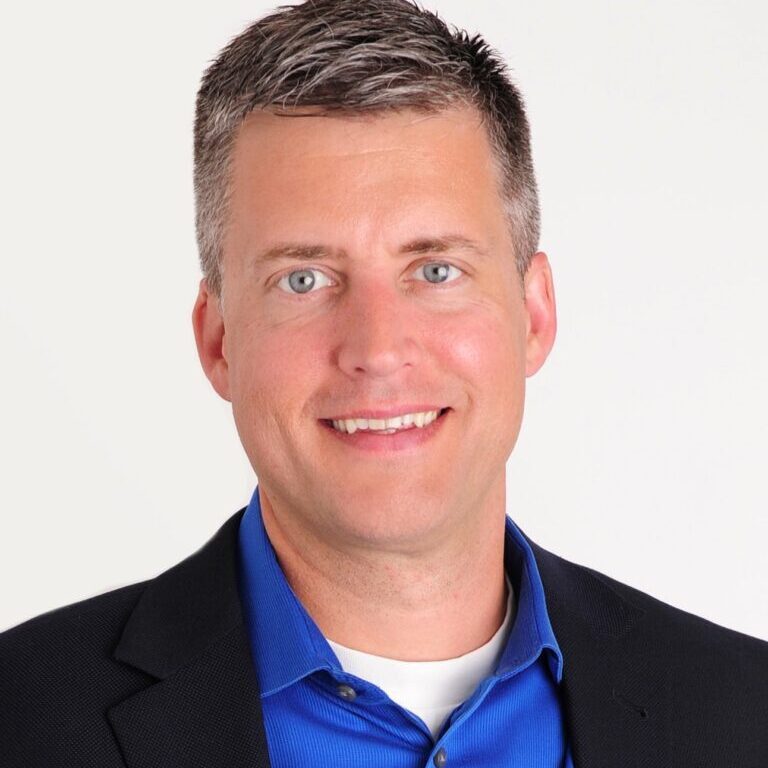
(315, 714)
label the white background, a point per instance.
(643, 447)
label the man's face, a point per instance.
(368, 272)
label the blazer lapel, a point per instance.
(187, 631)
(613, 701)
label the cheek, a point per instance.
(272, 370)
(485, 349)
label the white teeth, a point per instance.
(386, 426)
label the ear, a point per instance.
(208, 323)
(541, 316)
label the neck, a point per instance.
(428, 604)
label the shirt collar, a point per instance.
(531, 633)
(287, 645)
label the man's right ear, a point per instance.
(209, 336)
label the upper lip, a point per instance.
(386, 413)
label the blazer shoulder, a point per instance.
(678, 621)
(701, 689)
(94, 606)
(583, 590)
(709, 661)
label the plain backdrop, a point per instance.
(642, 452)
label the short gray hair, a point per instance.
(356, 56)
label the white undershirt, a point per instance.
(429, 689)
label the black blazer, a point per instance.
(159, 674)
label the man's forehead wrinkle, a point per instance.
(342, 153)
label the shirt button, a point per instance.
(346, 692)
(440, 758)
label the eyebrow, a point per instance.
(308, 252)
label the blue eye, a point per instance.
(303, 281)
(439, 272)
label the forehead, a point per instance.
(308, 175)
(306, 137)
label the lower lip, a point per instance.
(397, 441)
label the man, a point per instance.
(373, 300)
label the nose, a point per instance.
(377, 332)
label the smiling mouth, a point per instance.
(391, 426)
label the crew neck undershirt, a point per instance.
(430, 689)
